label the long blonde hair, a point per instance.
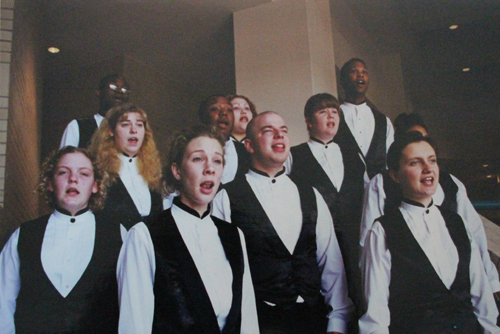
(103, 147)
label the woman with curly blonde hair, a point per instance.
(57, 272)
(125, 148)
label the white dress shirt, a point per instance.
(280, 199)
(71, 135)
(137, 266)
(373, 208)
(136, 186)
(231, 159)
(66, 252)
(429, 229)
(330, 159)
(361, 122)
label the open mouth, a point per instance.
(244, 119)
(360, 82)
(279, 147)
(428, 181)
(133, 140)
(72, 191)
(223, 123)
(207, 186)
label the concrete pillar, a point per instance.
(283, 55)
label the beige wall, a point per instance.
(24, 107)
(284, 54)
(386, 78)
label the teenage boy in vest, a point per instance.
(295, 260)
(363, 128)
(217, 111)
(113, 91)
(337, 173)
(58, 272)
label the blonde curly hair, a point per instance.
(96, 201)
(103, 147)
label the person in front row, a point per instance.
(294, 256)
(337, 173)
(363, 128)
(422, 271)
(217, 111)
(57, 272)
(124, 146)
(382, 194)
(187, 272)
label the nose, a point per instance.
(278, 134)
(209, 168)
(133, 128)
(222, 111)
(73, 178)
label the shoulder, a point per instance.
(35, 222)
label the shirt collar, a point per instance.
(259, 172)
(64, 215)
(177, 202)
(126, 159)
(319, 141)
(409, 205)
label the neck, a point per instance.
(424, 201)
(270, 170)
(323, 140)
(238, 136)
(200, 208)
(355, 99)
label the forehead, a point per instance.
(131, 115)
(358, 64)
(240, 101)
(204, 143)
(220, 100)
(421, 149)
(270, 120)
(75, 159)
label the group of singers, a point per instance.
(356, 230)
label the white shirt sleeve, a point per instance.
(475, 226)
(389, 135)
(249, 321)
(10, 283)
(373, 206)
(331, 266)
(288, 164)
(135, 274)
(71, 135)
(483, 301)
(376, 277)
(221, 206)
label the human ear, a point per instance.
(394, 176)
(176, 171)
(248, 146)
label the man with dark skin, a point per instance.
(113, 91)
(363, 127)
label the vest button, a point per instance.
(427, 211)
(130, 160)
(273, 181)
(326, 146)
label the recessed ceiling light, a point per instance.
(453, 27)
(466, 69)
(53, 49)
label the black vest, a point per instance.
(376, 156)
(345, 206)
(419, 302)
(394, 195)
(120, 206)
(86, 126)
(182, 304)
(278, 276)
(244, 159)
(92, 305)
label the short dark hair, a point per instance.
(111, 78)
(396, 150)
(404, 122)
(230, 98)
(178, 147)
(96, 201)
(318, 102)
(344, 71)
(205, 104)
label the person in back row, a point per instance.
(363, 128)
(295, 260)
(382, 194)
(187, 272)
(422, 271)
(244, 110)
(58, 272)
(124, 146)
(217, 111)
(337, 173)
(113, 91)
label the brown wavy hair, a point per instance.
(96, 201)
(178, 147)
(253, 109)
(103, 147)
